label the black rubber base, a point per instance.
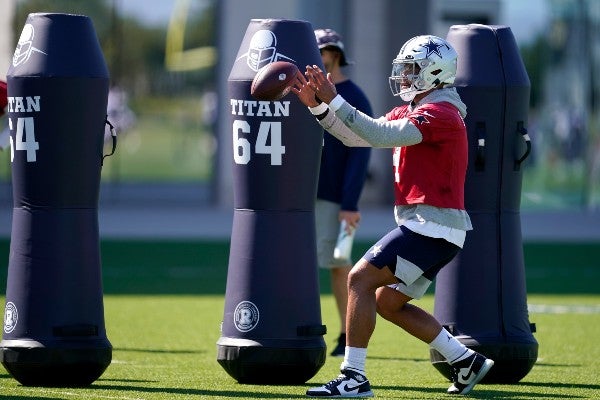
(255, 363)
(512, 361)
(77, 365)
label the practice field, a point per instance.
(164, 304)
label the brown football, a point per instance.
(272, 82)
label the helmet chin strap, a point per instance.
(408, 96)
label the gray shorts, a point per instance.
(328, 226)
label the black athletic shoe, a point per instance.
(348, 384)
(340, 349)
(468, 372)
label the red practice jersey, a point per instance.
(433, 171)
(3, 98)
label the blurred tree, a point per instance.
(97, 10)
(202, 27)
(190, 42)
(134, 52)
(112, 31)
(535, 57)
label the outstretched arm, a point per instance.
(353, 127)
(326, 118)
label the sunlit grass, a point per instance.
(164, 304)
(164, 347)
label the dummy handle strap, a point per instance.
(113, 135)
(522, 131)
(480, 132)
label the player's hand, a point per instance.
(352, 219)
(304, 91)
(322, 84)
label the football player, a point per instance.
(429, 139)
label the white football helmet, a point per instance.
(423, 63)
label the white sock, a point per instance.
(448, 346)
(354, 358)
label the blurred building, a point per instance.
(568, 119)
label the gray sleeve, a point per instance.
(332, 124)
(376, 132)
(356, 129)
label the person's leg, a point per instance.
(339, 287)
(468, 366)
(371, 272)
(327, 229)
(363, 281)
(419, 259)
(394, 307)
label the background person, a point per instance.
(341, 179)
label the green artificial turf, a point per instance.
(164, 304)
(164, 347)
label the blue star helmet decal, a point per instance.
(433, 47)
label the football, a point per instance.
(272, 82)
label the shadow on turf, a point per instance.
(479, 392)
(399, 359)
(540, 363)
(160, 351)
(13, 397)
(296, 392)
(254, 394)
(561, 385)
(127, 380)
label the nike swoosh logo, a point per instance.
(348, 389)
(466, 379)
